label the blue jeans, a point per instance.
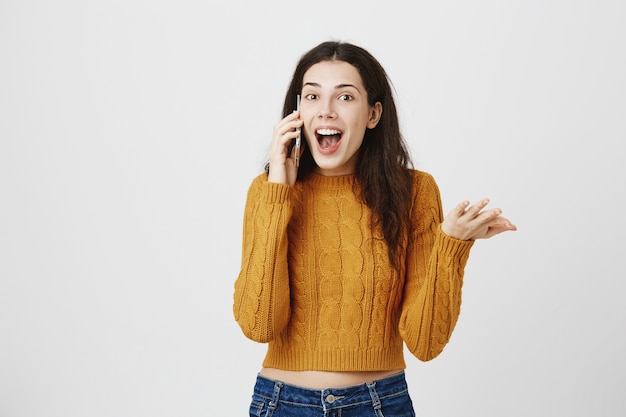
(387, 397)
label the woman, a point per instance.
(346, 254)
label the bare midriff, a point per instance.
(325, 379)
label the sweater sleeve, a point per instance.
(261, 298)
(434, 276)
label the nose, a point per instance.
(326, 111)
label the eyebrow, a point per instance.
(338, 86)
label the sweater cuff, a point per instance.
(274, 192)
(453, 247)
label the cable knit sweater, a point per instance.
(316, 283)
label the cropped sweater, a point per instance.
(316, 283)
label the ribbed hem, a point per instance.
(335, 359)
(274, 192)
(453, 247)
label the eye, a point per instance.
(310, 96)
(346, 97)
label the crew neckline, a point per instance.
(330, 180)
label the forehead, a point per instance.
(333, 73)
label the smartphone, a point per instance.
(298, 143)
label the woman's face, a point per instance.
(335, 113)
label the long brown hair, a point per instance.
(383, 162)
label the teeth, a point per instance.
(328, 132)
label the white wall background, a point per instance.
(130, 130)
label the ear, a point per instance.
(376, 111)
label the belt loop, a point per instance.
(375, 400)
(274, 402)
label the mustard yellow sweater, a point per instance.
(316, 283)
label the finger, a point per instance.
(288, 129)
(283, 124)
(476, 208)
(498, 226)
(292, 155)
(460, 208)
(496, 230)
(293, 119)
(283, 136)
(488, 216)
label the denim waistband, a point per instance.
(369, 392)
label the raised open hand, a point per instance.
(470, 223)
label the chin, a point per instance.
(324, 163)
(334, 169)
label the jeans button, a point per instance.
(330, 399)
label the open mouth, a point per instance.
(328, 139)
